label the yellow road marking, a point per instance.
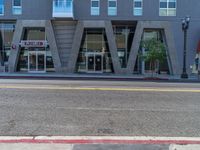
(140, 89)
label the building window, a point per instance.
(63, 8)
(124, 37)
(145, 67)
(95, 9)
(1, 7)
(17, 7)
(94, 55)
(6, 35)
(36, 59)
(138, 4)
(167, 8)
(112, 7)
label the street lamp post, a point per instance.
(185, 26)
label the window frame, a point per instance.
(16, 7)
(3, 8)
(91, 8)
(137, 8)
(112, 7)
(168, 9)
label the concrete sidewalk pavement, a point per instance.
(99, 143)
(97, 147)
(94, 76)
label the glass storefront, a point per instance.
(6, 35)
(143, 66)
(124, 36)
(94, 55)
(35, 59)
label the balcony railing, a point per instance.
(63, 8)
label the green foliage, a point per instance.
(155, 52)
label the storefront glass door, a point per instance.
(36, 62)
(94, 63)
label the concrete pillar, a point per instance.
(53, 46)
(14, 53)
(113, 48)
(135, 47)
(75, 47)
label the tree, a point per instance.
(155, 53)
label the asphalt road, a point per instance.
(60, 107)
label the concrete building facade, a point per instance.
(95, 36)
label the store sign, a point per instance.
(33, 43)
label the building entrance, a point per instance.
(94, 62)
(36, 61)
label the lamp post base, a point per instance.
(184, 76)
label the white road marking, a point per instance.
(184, 147)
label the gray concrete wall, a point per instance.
(42, 10)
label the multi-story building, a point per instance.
(94, 36)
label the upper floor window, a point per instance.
(1, 7)
(17, 7)
(138, 5)
(112, 7)
(63, 8)
(167, 8)
(95, 8)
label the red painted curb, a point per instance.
(35, 141)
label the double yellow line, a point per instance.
(137, 89)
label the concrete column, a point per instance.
(75, 47)
(135, 47)
(113, 48)
(173, 58)
(53, 46)
(14, 53)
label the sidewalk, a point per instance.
(98, 143)
(97, 77)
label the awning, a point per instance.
(198, 47)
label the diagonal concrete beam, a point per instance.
(113, 47)
(14, 53)
(135, 47)
(53, 46)
(75, 47)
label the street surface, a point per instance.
(99, 108)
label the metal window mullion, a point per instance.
(36, 53)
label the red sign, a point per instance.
(14, 46)
(33, 43)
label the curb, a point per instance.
(100, 140)
(98, 77)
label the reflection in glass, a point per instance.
(6, 36)
(124, 36)
(144, 67)
(94, 45)
(37, 59)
